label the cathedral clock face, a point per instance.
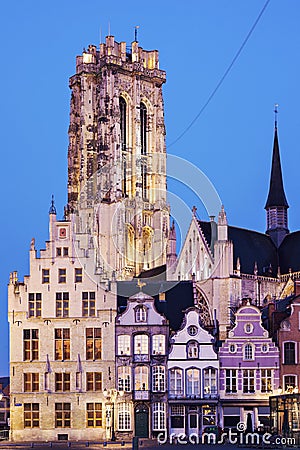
(62, 232)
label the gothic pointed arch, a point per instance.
(204, 308)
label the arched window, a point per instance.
(175, 382)
(123, 128)
(143, 122)
(192, 350)
(140, 314)
(209, 381)
(248, 352)
(141, 344)
(158, 344)
(193, 382)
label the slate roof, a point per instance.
(178, 297)
(251, 246)
(276, 196)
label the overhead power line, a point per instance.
(223, 76)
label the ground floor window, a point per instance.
(159, 416)
(209, 413)
(62, 415)
(177, 416)
(94, 415)
(124, 418)
(31, 415)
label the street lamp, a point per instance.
(111, 395)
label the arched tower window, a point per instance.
(143, 120)
(123, 127)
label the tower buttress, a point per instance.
(276, 204)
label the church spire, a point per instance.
(276, 205)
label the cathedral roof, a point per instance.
(253, 247)
(276, 195)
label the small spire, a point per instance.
(194, 210)
(52, 209)
(276, 114)
(136, 33)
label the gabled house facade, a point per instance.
(193, 372)
(249, 371)
(141, 368)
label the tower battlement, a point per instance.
(132, 59)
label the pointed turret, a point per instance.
(276, 205)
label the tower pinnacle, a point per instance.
(276, 204)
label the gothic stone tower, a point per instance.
(117, 158)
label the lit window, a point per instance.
(31, 382)
(209, 381)
(88, 304)
(93, 344)
(266, 380)
(192, 350)
(124, 378)
(248, 352)
(35, 304)
(158, 378)
(140, 314)
(141, 378)
(158, 344)
(123, 344)
(141, 344)
(159, 416)
(124, 417)
(248, 381)
(175, 382)
(62, 382)
(31, 345)
(31, 415)
(94, 415)
(62, 304)
(62, 415)
(193, 382)
(62, 344)
(289, 383)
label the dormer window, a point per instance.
(141, 314)
(192, 350)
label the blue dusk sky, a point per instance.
(231, 142)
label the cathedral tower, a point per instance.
(276, 205)
(117, 157)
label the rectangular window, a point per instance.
(62, 344)
(231, 379)
(141, 344)
(31, 382)
(123, 344)
(289, 383)
(62, 275)
(94, 415)
(289, 353)
(159, 416)
(94, 381)
(31, 345)
(124, 422)
(62, 304)
(45, 276)
(175, 382)
(93, 343)
(266, 380)
(177, 416)
(58, 251)
(62, 415)
(158, 344)
(35, 304)
(78, 275)
(248, 381)
(62, 382)
(158, 378)
(88, 304)
(192, 382)
(209, 381)
(31, 415)
(66, 251)
(124, 378)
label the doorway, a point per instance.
(141, 421)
